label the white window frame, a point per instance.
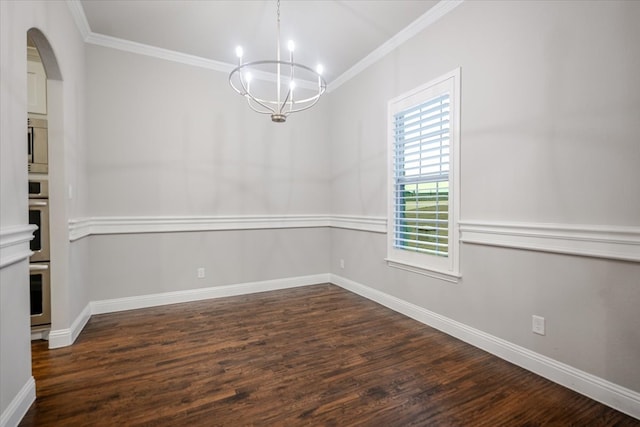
(445, 268)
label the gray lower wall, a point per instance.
(79, 258)
(128, 265)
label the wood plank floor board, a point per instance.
(310, 356)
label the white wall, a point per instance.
(67, 154)
(549, 134)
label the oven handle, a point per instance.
(37, 267)
(38, 202)
(30, 141)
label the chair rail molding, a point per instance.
(14, 243)
(600, 241)
(83, 227)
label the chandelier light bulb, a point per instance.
(292, 85)
(248, 77)
(239, 51)
(320, 69)
(291, 46)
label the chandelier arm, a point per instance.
(233, 86)
(267, 103)
(286, 101)
(247, 94)
(315, 101)
(291, 79)
(306, 107)
(249, 65)
(258, 101)
(310, 99)
(256, 109)
(245, 89)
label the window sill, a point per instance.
(425, 271)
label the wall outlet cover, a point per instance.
(537, 325)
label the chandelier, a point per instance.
(297, 87)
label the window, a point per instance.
(423, 177)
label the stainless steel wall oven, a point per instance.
(40, 293)
(39, 275)
(39, 215)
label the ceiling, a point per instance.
(336, 33)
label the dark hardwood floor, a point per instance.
(315, 355)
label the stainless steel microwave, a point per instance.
(38, 145)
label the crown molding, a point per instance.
(179, 57)
(424, 21)
(77, 12)
(427, 19)
(157, 52)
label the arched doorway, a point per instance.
(56, 177)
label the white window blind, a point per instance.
(421, 177)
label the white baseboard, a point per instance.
(42, 334)
(19, 406)
(65, 337)
(153, 300)
(606, 392)
(613, 395)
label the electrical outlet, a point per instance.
(341, 263)
(201, 273)
(537, 325)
